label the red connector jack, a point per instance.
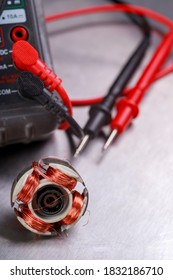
(19, 33)
(26, 58)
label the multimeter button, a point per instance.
(14, 2)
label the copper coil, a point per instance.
(35, 222)
(27, 193)
(29, 188)
(75, 211)
(61, 179)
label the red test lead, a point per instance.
(128, 107)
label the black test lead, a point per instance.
(100, 114)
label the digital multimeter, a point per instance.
(21, 120)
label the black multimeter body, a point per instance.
(21, 120)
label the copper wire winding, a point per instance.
(52, 174)
(29, 188)
(35, 222)
(61, 179)
(74, 213)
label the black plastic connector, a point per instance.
(99, 116)
(30, 86)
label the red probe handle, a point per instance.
(127, 108)
(26, 58)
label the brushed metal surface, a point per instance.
(131, 188)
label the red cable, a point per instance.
(115, 8)
(128, 107)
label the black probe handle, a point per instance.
(100, 114)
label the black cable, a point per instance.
(140, 21)
(100, 114)
(132, 64)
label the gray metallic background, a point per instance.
(131, 188)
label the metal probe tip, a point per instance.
(82, 145)
(110, 139)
